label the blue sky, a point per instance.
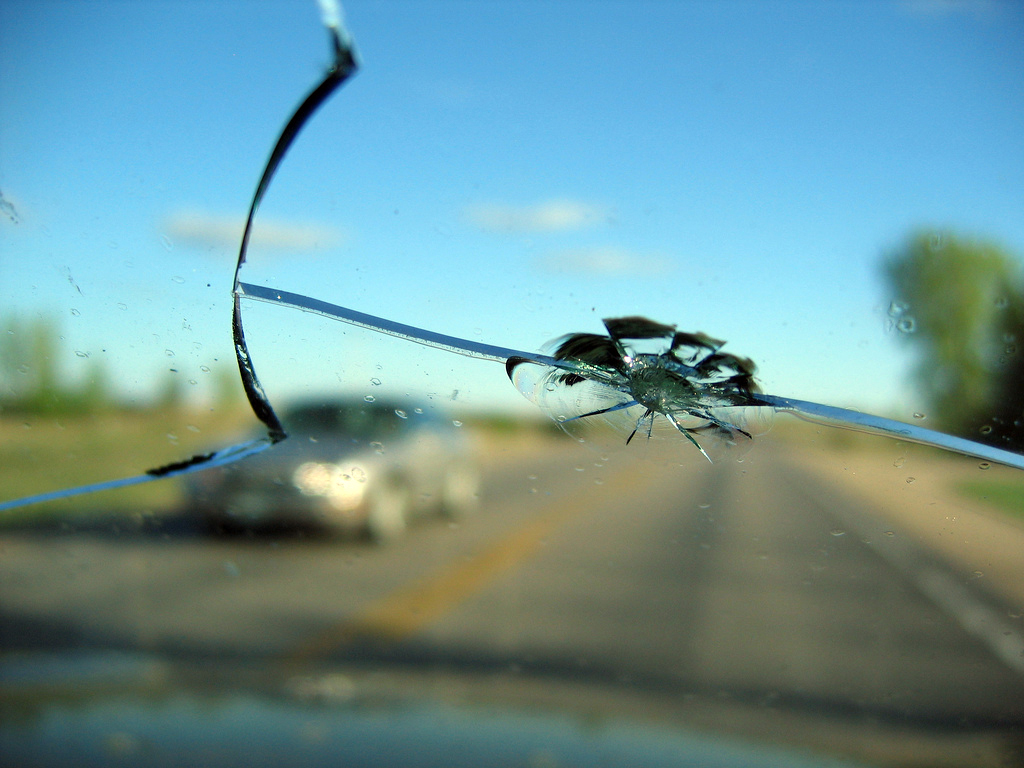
(507, 172)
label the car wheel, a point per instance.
(388, 511)
(460, 493)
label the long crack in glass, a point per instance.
(342, 67)
(701, 391)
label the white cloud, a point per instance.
(549, 216)
(605, 261)
(205, 230)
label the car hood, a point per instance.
(110, 709)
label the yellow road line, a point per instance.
(406, 611)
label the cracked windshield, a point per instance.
(512, 383)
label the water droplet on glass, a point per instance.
(897, 308)
(375, 381)
(984, 465)
(418, 411)
(456, 422)
(166, 242)
(204, 369)
(837, 532)
(401, 414)
(906, 325)
(75, 312)
(79, 353)
(910, 480)
(169, 352)
(976, 574)
(369, 398)
(377, 446)
(918, 415)
(899, 462)
(890, 533)
(359, 474)
(122, 306)
(986, 430)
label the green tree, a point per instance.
(30, 377)
(28, 363)
(960, 302)
(171, 394)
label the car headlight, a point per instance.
(344, 487)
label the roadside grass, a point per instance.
(1005, 495)
(39, 454)
(45, 453)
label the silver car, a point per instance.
(347, 467)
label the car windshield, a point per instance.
(514, 383)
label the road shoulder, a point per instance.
(915, 492)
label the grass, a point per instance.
(46, 453)
(1005, 495)
(43, 453)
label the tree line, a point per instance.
(32, 380)
(958, 302)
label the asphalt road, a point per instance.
(755, 597)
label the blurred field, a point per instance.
(40, 454)
(1007, 495)
(999, 489)
(44, 453)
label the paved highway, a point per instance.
(758, 597)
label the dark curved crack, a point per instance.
(343, 66)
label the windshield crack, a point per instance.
(698, 389)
